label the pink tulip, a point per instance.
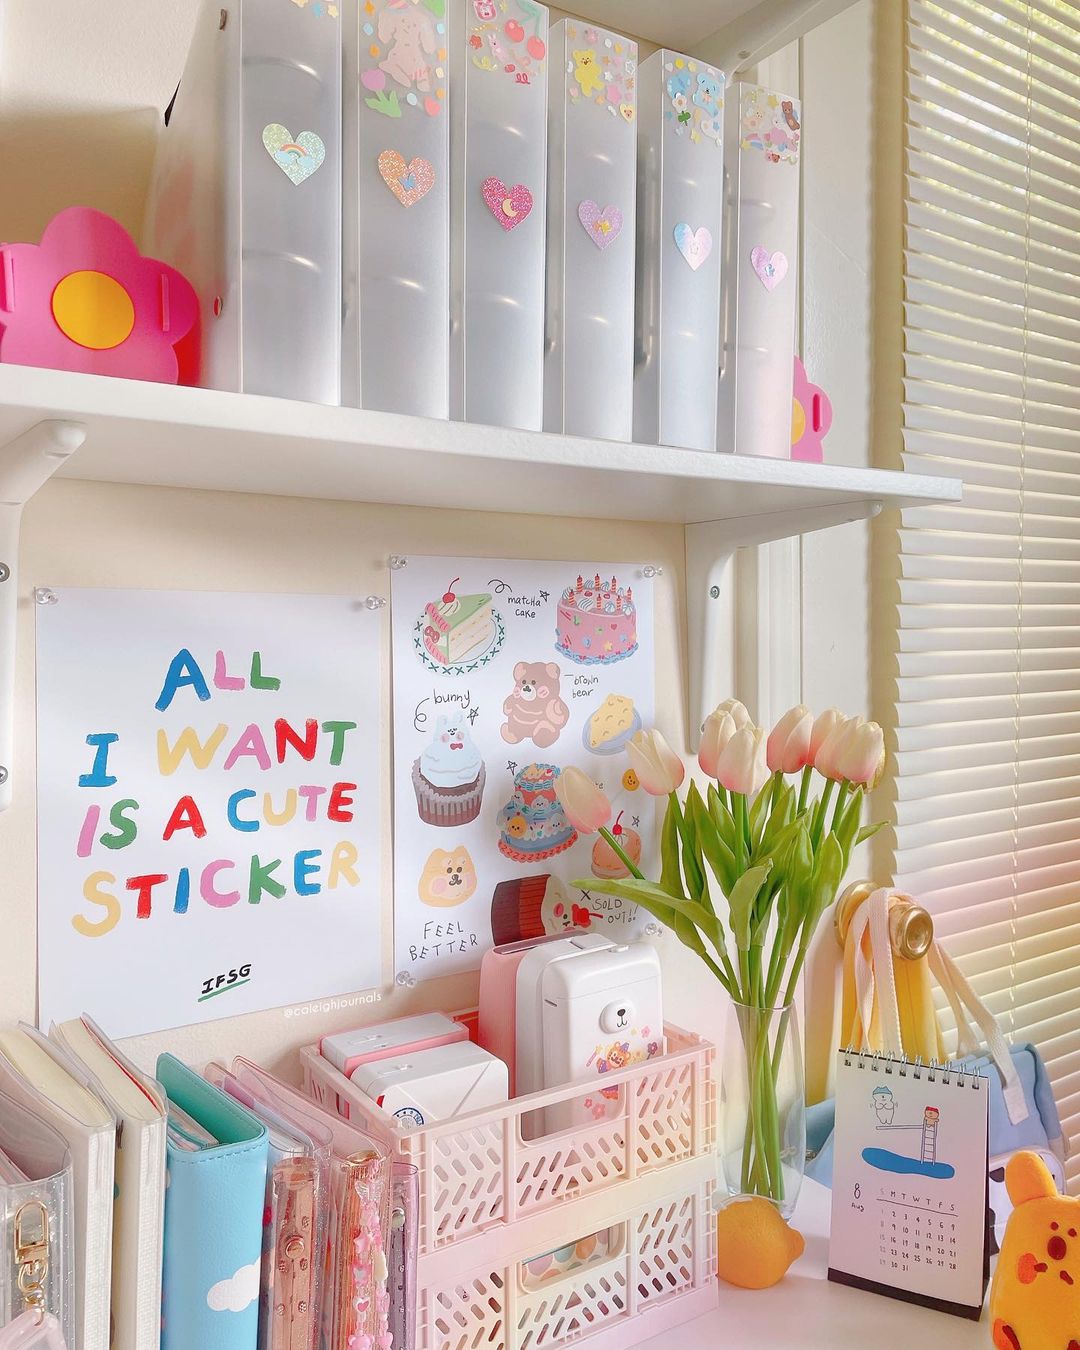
(718, 730)
(824, 726)
(862, 756)
(742, 766)
(788, 746)
(833, 748)
(586, 805)
(736, 710)
(659, 769)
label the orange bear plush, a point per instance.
(1035, 1298)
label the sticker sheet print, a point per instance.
(694, 100)
(505, 673)
(507, 36)
(404, 62)
(771, 124)
(603, 71)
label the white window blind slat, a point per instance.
(985, 673)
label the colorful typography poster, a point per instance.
(505, 673)
(208, 804)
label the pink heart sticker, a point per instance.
(770, 267)
(602, 227)
(509, 206)
(432, 107)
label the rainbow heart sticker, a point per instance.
(509, 206)
(297, 159)
(408, 182)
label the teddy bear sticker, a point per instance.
(534, 709)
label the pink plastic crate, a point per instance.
(491, 1200)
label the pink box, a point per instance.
(347, 1050)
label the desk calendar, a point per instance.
(909, 1206)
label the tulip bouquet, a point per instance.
(748, 867)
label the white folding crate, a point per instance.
(491, 1200)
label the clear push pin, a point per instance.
(43, 595)
(375, 602)
(653, 930)
(405, 979)
(398, 561)
(650, 571)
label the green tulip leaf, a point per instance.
(693, 868)
(715, 851)
(759, 813)
(670, 868)
(741, 902)
(725, 821)
(868, 831)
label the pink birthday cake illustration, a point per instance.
(533, 824)
(597, 622)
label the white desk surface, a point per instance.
(805, 1312)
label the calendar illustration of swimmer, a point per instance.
(926, 1163)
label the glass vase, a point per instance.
(762, 1105)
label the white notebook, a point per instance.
(909, 1200)
(139, 1206)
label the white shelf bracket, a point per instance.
(26, 464)
(710, 599)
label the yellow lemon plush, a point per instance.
(754, 1246)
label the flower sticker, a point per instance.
(86, 299)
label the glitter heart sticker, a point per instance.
(694, 245)
(509, 206)
(297, 159)
(771, 268)
(602, 227)
(408, 182)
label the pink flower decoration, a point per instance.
(86, 299)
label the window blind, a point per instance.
(988, 663)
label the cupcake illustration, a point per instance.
(449, 776)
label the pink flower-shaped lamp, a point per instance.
(811, 418)
(86, 299)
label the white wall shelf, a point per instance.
(166, 436)
(125, 431)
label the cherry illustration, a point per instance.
(450, 597)
(536, 49)
(513, 30)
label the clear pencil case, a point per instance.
(356, 1296)
(37, 1265)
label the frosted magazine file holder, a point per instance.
(680, 208)
(246, 196)
(498, 150)
(396, 229)
(630, 1194)
(592, 179)
(760, 286)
